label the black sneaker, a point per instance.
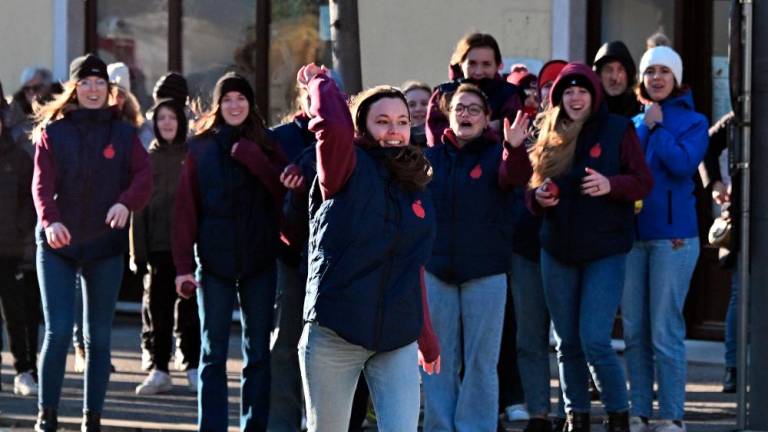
(729, 380)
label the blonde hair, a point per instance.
(552, 153)
(131, 111)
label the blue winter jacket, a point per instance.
(673, 151)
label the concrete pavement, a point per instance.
(706, 408)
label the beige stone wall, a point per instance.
(26, 32)
(414, 39)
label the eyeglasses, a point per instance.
(474, 109)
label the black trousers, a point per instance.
(164, 313)
(20, 297)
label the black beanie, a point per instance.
(87, 65)
(231, 81)
(172, 85)
(571, 81)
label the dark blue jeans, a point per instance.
(583, 301)
(216, 298)
(101, 285)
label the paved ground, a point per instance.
(706, 408)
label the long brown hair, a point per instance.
(552, 153)
(252, 128)
(131, 112)
(409, 167)
(55, 109)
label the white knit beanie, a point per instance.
(120, 75)
(664, 56)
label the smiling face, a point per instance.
(418, 100)
(614, 78)
(480, 63)
(167, 123)
(234, 108)
(577, 102)
(92, 92)
(468, 116)
(388, 123)
(659, 82)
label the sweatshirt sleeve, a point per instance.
(266, 169)
(635, 180)
(515, 168)
(533, 206)
(332, 126)
(437, 122)
(26, 217)
(681, 154)
(428, 343)
(138, 192)
(184, 228)
(44, 183)
(138, 237)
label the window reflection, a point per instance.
(217, 37)
(135, 33)
(299, 35)
(647, 16)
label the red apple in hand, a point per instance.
(552, 188)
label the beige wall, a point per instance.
(414, 39)
(26, 32)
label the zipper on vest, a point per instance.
(453, 197)
(387, 268)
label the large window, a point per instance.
(135, 33)
(217, 37)
(299, 34)
(647, 17)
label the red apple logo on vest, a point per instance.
(418, 209)
(476, 172)
(595, 151)
(109, 152)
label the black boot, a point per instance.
(617, 422)
(729, 380)
(47, 420)
(577, 422)
(538, 425)
(91, 422)
(558, 424)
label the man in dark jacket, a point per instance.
(618, 73)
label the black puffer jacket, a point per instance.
(17, 213)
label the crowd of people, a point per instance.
(445, 228)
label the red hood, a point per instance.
(577, 69)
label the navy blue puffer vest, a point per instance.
(92, 152)
(366, 245)
(237, 224)
(582, 228)
(475, 218)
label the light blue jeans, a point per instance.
(330, 368)
(657, 281)
(583, 300)
(468, 320)
(533, 336)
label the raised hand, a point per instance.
(653, 115)
(516, 133)
(307, 72)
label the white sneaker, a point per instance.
(516, 412)
(192, 380)
(636, 424)
(668, 426)
(24, 384)
(156, 382)
(79, 359)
